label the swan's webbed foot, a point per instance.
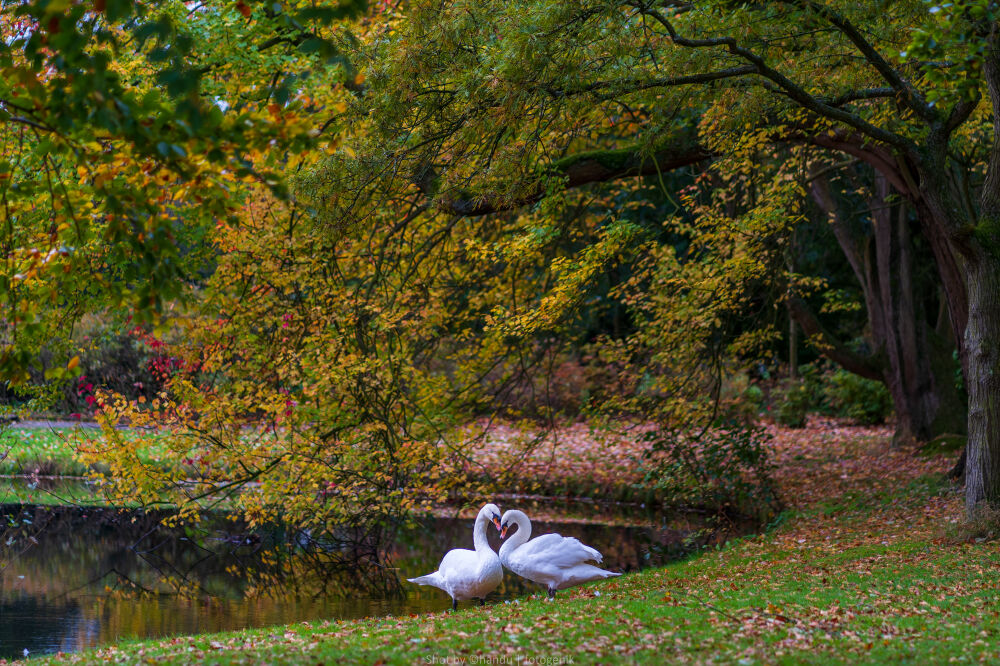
(552, 594)
(482, 601)
(454, 604)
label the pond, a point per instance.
(74, 578)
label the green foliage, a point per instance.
(833, 391)
(739, 399)
(126, 129)
(951, 43)
(793, 401)
(725, 468)
(862, 400)
(335, 200)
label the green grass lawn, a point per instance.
(48, 451)
(76, 492)
(867, 566)
(43, 466)
(53, 451)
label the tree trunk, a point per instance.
(915, 361)
(793, 347)
(950, 270)
(982, 345)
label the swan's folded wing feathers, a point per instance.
(557, 550)
(459, 560)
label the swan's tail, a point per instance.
(584, 574)
(429, 579)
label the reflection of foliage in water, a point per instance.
(16, 534)
(215, 556)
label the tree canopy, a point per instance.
(373, 225)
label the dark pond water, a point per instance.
(73, 578)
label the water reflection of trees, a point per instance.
(137, 553)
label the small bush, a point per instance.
(835, 392)
(725, 468)
(793, 401)
(110, 358)
(740, 399)
(862, 400)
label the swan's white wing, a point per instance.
(459, 562)
(554, 551)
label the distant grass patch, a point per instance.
(46, 450)
(69, 492)
(947, 443)
(857, 501)
(53, 452)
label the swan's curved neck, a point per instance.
(520, 537)
(479, 534)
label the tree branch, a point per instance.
(961, 112)
(602, 166)
(787, 86)
(906, 92)
(576, 170)
(857, 95)
(635, 85)
(854, 144)
(833, 349)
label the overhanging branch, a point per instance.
(576, 170)
(905, 91)
(789, 88)
(832, 348)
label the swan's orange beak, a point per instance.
(496, 522)
(503, 531)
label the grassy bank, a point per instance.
(868, 565)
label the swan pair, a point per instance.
(552, 560)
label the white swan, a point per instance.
(552, 560)
(469, 574)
